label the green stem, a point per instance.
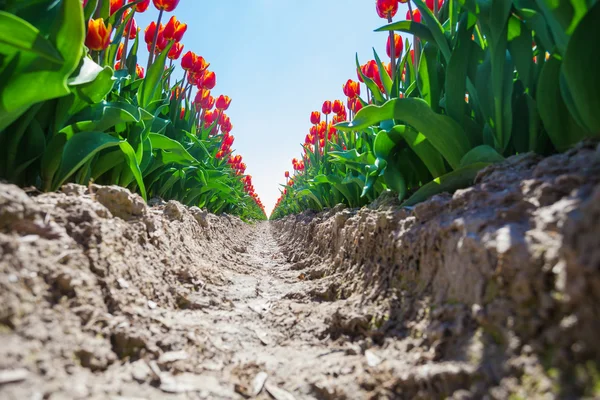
(392, 49)
(153, 48)
(126, 45)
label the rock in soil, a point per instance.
(492, 292)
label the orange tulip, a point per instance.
(315, 117)
(175, 51)
(386, 8)
(287, 174)
(398, 46)
(174, 29)
(223, 102)
(326, 107)
(98, 35)
(165, 5)
(351, 89)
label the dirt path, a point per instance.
(491, 293)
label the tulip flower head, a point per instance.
(131, 29)
(338, 107)
(165, 5)
(386, 8)
(416, 16)
(351, 89)
(326, 109)
(398, 46)
(208, 80)
(140, 71)
(141, 7)
(287, 174)
(223, 102)
(174, 30)
(115, 5)
(315, 117)
(120, 51)
(188, 61)
(98, 35)
(175, 51)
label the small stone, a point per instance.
(123, 284)
(13, 375)
(372, 359)
(172, 356)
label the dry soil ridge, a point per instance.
(489, 293)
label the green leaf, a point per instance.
(173, 151)
(23, 89)
(428, 78)
(422, 147)
(442, 132)
(580, 67)
(81, 148)
(22, 36)
(562, 129)
(153, 79)
(435, 27)
(481, 154)
(458, 179)
(94, 90)
(417, 29)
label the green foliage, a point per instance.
(66, 115)
(490, 79)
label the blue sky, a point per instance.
(278, 60)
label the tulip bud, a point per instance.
(386, 8)
(188, 61)
(398, 46)
(315, 117)
(326, 107)
(223, 102)
(98, 35)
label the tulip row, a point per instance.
(102, 117)
(480, 81)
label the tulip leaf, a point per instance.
(417, 29)
(22, 36)
(153, 79)
(461, 178)
(442, 132)
(580, 68)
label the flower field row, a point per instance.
(478, 82)
(76, 106)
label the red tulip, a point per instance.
(416, 16)
(139, 71)
(188, 61)
(398, 46)
(357, 106)
(386, 8)
(351, 89)
(430, 4)
(220, 154)
(210, 117)
(287, 174)
(149, 33)
(131, 29)
(120, 51)
(182, 113)
(141, 7)
(200, 65)
(166, 5)
(174, 29)
(175, 51)
(338, 107)
(208, 80)
(315, 117)
(223, 102)
(326, 107)
(98, 35)
(115, 5)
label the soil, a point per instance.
(489, 293)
